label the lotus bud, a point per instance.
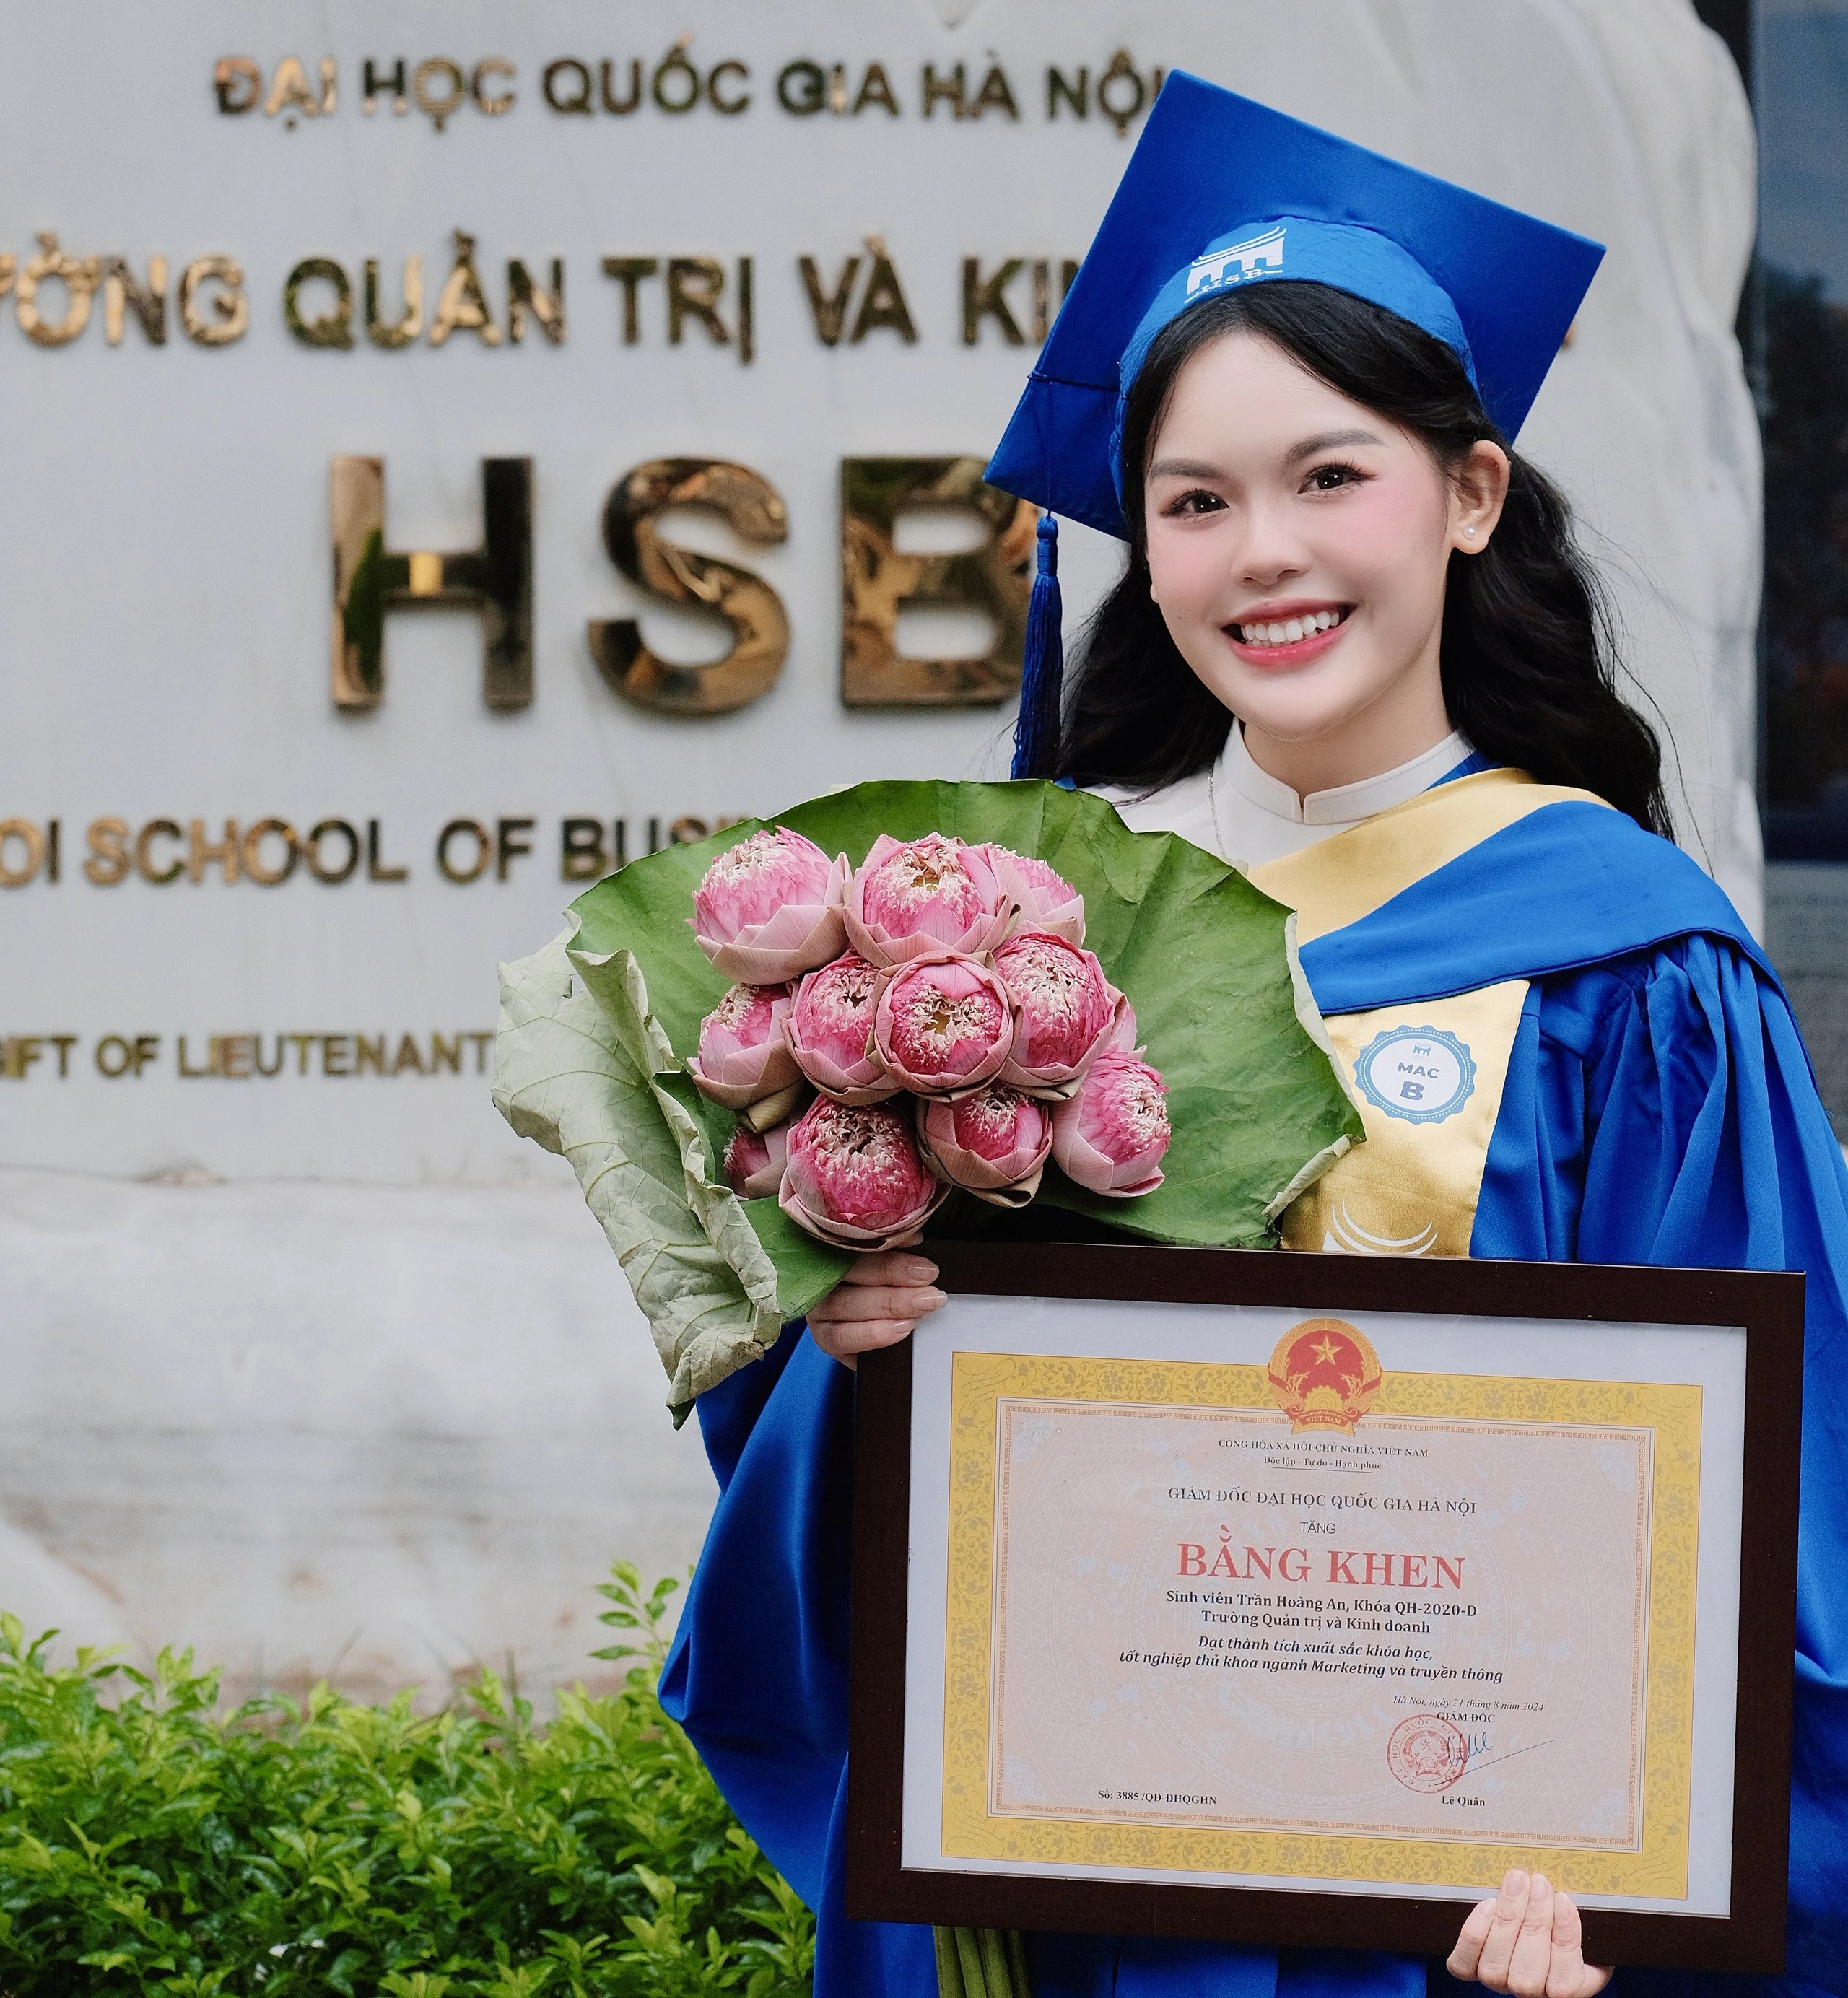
(913, 898)
(944, 1024)
(743, 1055)
(855, 1176)
(994, 1142)
(1110, 1137)
(770, 909)
(1043, 900)
(755, 1161)
(1123, 1029)
(829, 1031)
(1066, 1010)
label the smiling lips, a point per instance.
(1300, 635)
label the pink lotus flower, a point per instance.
(1067, 1011)
(755, 1161)
(994, 1142)
(1110, 1137)
(829, 1031)
(944, 1024)
(855, 1176)
(743, 1055)
(770, 908)
(913, 898)
(1045, 901)
(1123, 1029)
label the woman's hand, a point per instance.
(876, 1304)
(1526, 1940)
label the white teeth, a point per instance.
(1291, 632)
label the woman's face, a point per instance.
(1298, 544)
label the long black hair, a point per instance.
(1526, 665)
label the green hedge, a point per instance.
(149, 1845)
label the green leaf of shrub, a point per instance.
(523, 1854)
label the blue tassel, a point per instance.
(1042, 673)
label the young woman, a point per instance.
(1354, 650)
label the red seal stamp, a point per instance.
(1426, 1752)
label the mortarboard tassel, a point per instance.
(1043, 673)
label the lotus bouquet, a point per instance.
(928, 1021)
(792, 1042)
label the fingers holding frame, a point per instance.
(1508, 1911)
(1462, 1961)
(1531, 1964)
(876, 1304)
(1526, 1941)
(902, 1267)
(1571, 1976)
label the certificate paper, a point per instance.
(1220, 1578)
(1324, 1600)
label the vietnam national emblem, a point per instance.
(1325, 1375)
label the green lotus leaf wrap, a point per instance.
(595, 1028)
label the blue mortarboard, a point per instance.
(1222, 191)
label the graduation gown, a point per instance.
(1646, 1098)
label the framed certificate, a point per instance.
(1293, 1598)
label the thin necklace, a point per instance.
(1219, 837)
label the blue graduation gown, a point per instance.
(1658, 1108)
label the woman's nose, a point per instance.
(1271, 552)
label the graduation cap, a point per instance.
(1221, 192)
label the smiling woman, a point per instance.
(1312, 457)
(1301, 542)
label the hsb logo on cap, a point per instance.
(1255, 258)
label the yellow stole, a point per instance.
(1427, 1077)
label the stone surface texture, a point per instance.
(386, 1434)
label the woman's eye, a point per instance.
(1332, 478)
(1195, 503)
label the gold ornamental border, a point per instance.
(1658, 1870)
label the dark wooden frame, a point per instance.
(1769, 1307)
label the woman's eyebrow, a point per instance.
(1312, 446)
(1184, 467)
(1330, 441)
